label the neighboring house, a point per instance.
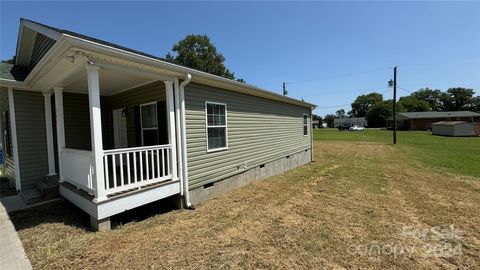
(424, 120)
(317, 124)
(455, 128)
(349, 121)
(120, 128)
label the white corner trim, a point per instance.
(13, 127)
(171, 126)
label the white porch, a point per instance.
(104, 181)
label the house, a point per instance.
(424, 120)
(349, 121)
(456, 128)
(118, 128)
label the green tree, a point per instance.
(317, 117)
(378, 114)
(329, 119)
(461, 98)
(412, 104)
(362, 103)
(476, 104)
(341, 114)
(10, 61)
(198, 52)
(433, 97)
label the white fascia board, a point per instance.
(13, 84)
(181, 71)
(41, 29)
(53, 54)
(34, 27)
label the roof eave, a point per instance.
(229, 84)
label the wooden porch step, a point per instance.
(49, 190)
(44, 190)
(31, 195)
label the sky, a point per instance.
(328, 53)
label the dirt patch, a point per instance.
(353, 198)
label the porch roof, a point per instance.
(12, 72)
(121, 51)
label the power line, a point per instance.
(405, 89)
(333, 107)
(466, 61)
(372, 89)
(340, 76)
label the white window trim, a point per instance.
(305, 125)
(141, 121)
(225, 126)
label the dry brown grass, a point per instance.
(354, 194)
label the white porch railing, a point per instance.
(77, 168)
(131, 168)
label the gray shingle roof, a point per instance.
(423, 115)
(96, 40)
(12, 72)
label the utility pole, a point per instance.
(394, 84)
(285, 92)
(394, 105)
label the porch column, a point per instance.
(60, 127)
(14, 142)
(49, 133)
(96, 131)
(171, 127)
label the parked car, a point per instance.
(356, 128)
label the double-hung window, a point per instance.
(216, 114)
(148, 119)
(305, 124)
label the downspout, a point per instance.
(311, 134)
(178, 136)
(186, 193)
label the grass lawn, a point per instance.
(349, 209)
(451, 154)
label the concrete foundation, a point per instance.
(100, 225)
(278, 166)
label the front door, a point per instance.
(119, 129)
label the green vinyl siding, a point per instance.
(258, 131)
(77, 114)
(77, 121)
(9, 164)
(130, 100)
(31, 136)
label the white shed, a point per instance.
(455, 128)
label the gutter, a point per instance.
(186, 193)
(21, 85)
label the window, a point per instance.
(149, 124)
(305, 124)
(216, 126)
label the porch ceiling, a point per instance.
(111, 81)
